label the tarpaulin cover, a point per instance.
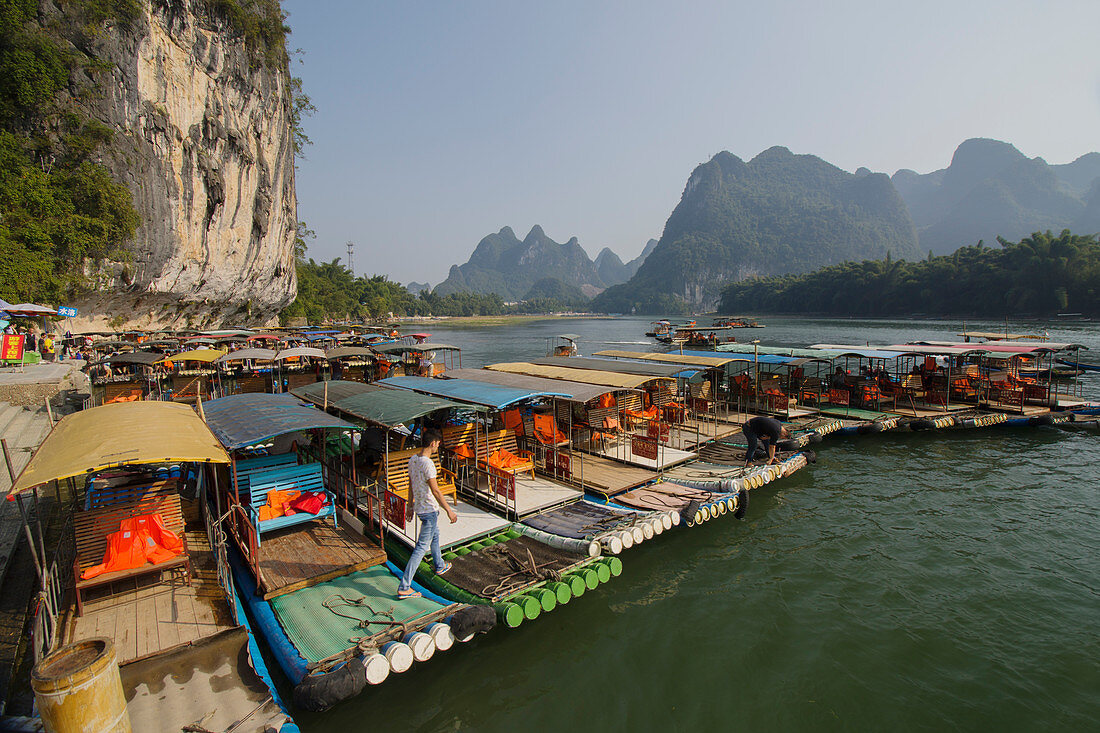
(582, 520)
(612, 365)
(120, 434)
(576, 391)
(709, 361)
(247, 419)
(584, 376)
(492, 572)
(494, 396)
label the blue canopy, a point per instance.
(494, 396)
(247, 419)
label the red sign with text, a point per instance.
(11, 349)
(643, 447)
(502, 484)
(393, 508)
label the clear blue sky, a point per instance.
(440, 122)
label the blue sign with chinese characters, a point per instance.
(66, 312)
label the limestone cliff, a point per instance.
(204, 141)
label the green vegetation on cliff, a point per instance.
(328, 291)
(1039, 275)
(58, 206)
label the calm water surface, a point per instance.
(915, 582)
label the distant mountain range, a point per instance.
(775, 214)
(503, 264)
(782, 213)
(992, 189)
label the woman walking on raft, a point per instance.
(763, 429)
(426, 499)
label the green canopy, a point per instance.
(377, 405)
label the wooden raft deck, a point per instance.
(303, 556)
(694, 432)
(606, 477)
(147, 615)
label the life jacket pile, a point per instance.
(138, 540)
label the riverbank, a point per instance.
(502, 320)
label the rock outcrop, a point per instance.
(203, 139)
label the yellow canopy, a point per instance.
(119, 434)
(704, 361)
(197, 355)
(584, 376)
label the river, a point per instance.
(918, 581)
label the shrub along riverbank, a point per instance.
(1040, 275)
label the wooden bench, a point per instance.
(482, 445)
(506, 440)
(92, 526)
(123, 392)
(305, 478)
(396, 479)
(246, 468)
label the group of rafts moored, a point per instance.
(553, 467)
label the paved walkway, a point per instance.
(44, 373)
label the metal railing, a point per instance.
(50, 599)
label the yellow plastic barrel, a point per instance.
(78, 689)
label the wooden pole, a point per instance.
(325, 407)
(49, 411)
(7, 460)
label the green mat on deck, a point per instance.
(319, 633)
(842, 411)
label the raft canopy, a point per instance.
(205, 355)
(242, 354)
(493, 396)
(335, 389)
(624, 367)
(123, 433)
(347, 352)
(709, 361)
(144, 358)
(247, 419)
(299, 351)
(585, 376)
(572, 391)
(417, 348)
(390, 407)
(864, 352)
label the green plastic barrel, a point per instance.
(510, 614)
(531, 606)
(462, 551)
(474, 547)
(614, 564)
(561, 591)
(448, 556)
(591, 578)
(547, 598)
(576, 584)
(603, 572)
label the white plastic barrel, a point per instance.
(422, 645)
(377, 668)
(399, 655)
